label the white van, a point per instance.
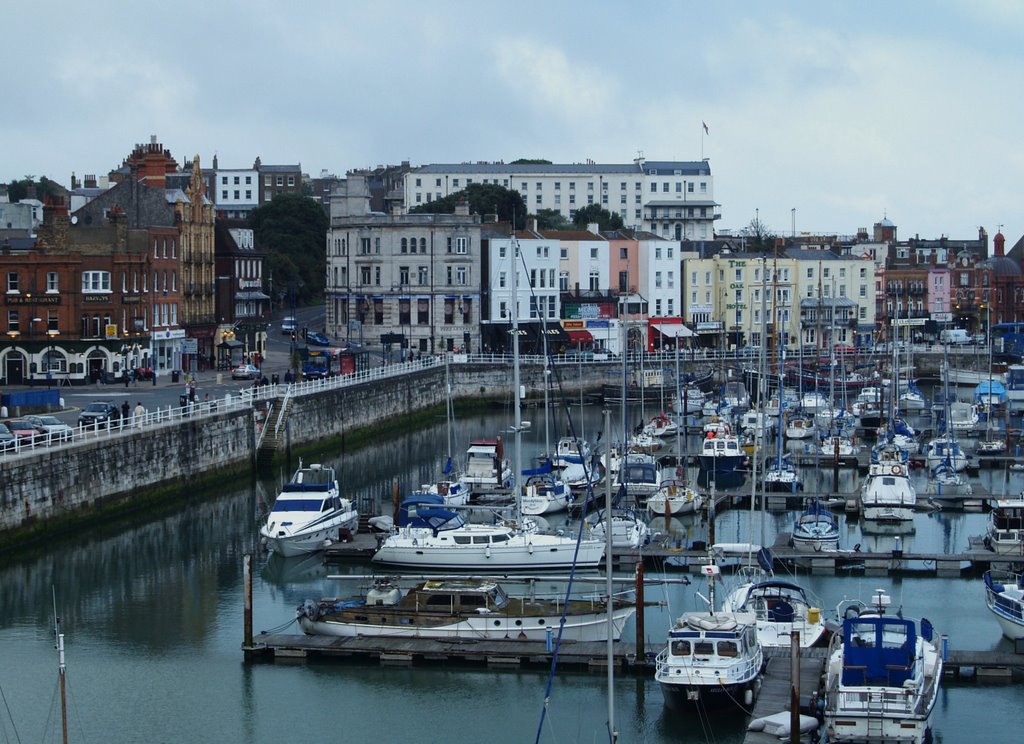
(954, 336)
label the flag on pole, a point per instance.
(705, 128)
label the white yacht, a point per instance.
(781, 608)
(488, 471)
(1004, 596)
(882, 677)
(815, 530)
(569, 451)
(945, 451)
(1005, 534)
(674, 497)
(711, 659)
(545, 493)
(757, 421)
(963, 416)
(800, 428)
(629, 530)
(661, 425)
(887, 494)
(834, 444)
(309, 514)
(639, 474)
(691, 400)
(735, 395)
(813, 402)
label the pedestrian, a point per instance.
(125, 378)
(154, 376)
(140, 413)
(125, 408)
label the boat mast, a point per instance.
(518, 424)
(610, 649)
(61, 671)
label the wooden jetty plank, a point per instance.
(775, 687)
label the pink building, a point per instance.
(939, 281)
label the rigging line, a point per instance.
(14, 727)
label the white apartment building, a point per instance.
(537, 299)
(672, 199)
(659, 277)
(236, 191)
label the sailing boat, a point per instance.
(991, 395)
(782, 476)
(451, 486)
(446, 541)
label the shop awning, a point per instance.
(673, 330)
(579, 336)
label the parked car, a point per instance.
(288, 325)
(24, 430)
(53, 426)
(99, 412)
(7, 440)
(317, 339)
(245, 372)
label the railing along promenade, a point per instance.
(255, 397)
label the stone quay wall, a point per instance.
(68, 482)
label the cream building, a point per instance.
(745, 299)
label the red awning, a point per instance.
(580, 337)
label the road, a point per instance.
(214, 383)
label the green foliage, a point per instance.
(551, 219)
(292, 229)
(596, 213)
(483, 198)
(530, 161)
(18, 189)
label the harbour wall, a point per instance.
(120, 471)
(62, 486)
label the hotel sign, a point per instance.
(36, 300)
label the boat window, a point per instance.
(297, 505)
(728, 648)
(895, 636)
(703, 648)
(680, 648)
(889, 481)
(477, 540)
(863, 634)
(473, 600)
(499, 538)
(439, 600)
(731, 445)
(462, 539)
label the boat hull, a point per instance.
(312, 540)
(486, 626)
(724, 464)
(694, 697)
(524, 554)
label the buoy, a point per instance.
(748, 697)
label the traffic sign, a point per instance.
(942, 317)
(909, 322)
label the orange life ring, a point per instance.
(897, 470)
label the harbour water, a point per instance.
(152, 613)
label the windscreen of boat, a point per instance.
(298, 505)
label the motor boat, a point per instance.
(757, 421)
(989, 395)
(837, 445)
(963, 416)
(816, 529)
(639, 476)
(813, 402)
(570, 451)
(720, 453)
(470, 608)
(309, 514)
(712, 659)
(644, 442)
(912, 399)
(488, 471)
(691, 400)
(429, 535)
(735, 395)
(1005, 534)
(1004, 596)
(882, 677)
(887, 494)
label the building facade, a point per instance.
(672, 199)
(409, 282)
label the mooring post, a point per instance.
(247, 580)
(395, 500)
(794, 695)
(641, 653)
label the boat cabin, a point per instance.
(457, 596)
(720, 447)
(703, 636)
(880, 651)
(313, 478)
(1006, 525)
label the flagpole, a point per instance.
(702, 141)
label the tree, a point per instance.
(292, 229)
(483, 198)
(530, 161)
(596, 213)
(44, 187)
(758, 236)
(551, 219)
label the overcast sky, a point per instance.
(844, 111)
